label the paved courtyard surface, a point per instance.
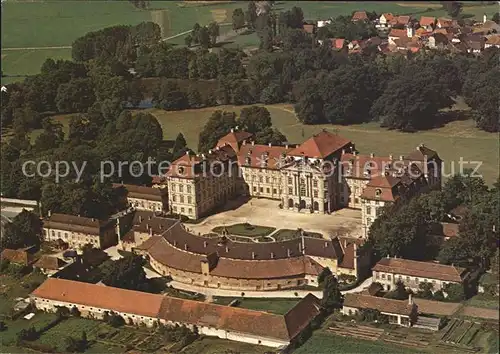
(264, 212)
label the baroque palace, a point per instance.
(321, 175)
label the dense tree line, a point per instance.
(255, 120)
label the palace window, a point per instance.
(182, 210)
(261, 189)
(368, 210)
(188, 189)
(303, 190)
(290, 181)
(189, 199)
(290, 191)
(181, 188)
(173, 197)
(315, 183)
(274, 190)
(181, 198)
(268, 190)
(315, 194)
(267, 179)
(260, 178)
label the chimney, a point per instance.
(232, 130)
(227, 249)
(149, 217)
(343, 151)
(326, 244)
(269, 144)
(372, 155)
(288, 253)
(272, 255)
(151, 231)
(401, 157)
(185, 247)
(286, 146)
(410, 32)
(160, 226)
(303, 245)
(410, 299)
(205, 243)
(253, 143)
(147, 226)
(387, 257)
(175, 243)
(244, 142)
(485, 18)
(187, 152)
(49, 213)
(391, 157)
(253, 255)
(210, 151)
(236, 128)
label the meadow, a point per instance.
(57, 23)
(453, 141)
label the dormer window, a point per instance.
(378, 192)
(248, 160)
(180, 169)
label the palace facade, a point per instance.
(323, 174)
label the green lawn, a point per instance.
(287, 234)
(245, 230)
(485, 301)
(323, 343)
(19, 63)
(12, 288)
(276, 306)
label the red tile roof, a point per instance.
(234, 139)
(420, 269)
(337, 43)
(142, 192)
(309, 28)
(20, 256)
(106, 297)
(228, 318)
(320, 145)
(185, 166)
(403, 20)
(49, 262)
(262, 156)
(76, 223)
(427, 21)
(388, 16)
(493, 40)
(444, 22)
(359, 301)
(398, 33)
(384, 188)
(359, 15)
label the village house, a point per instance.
(145, 198)
(388, 271)
(400, 312)
(492, 41)
(428, 23)
(309, 28)
(21, 256)
(385, 20)
(359, 16)
(49, 264)
(226, 322)
(78, 231)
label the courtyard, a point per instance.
(265, 212)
